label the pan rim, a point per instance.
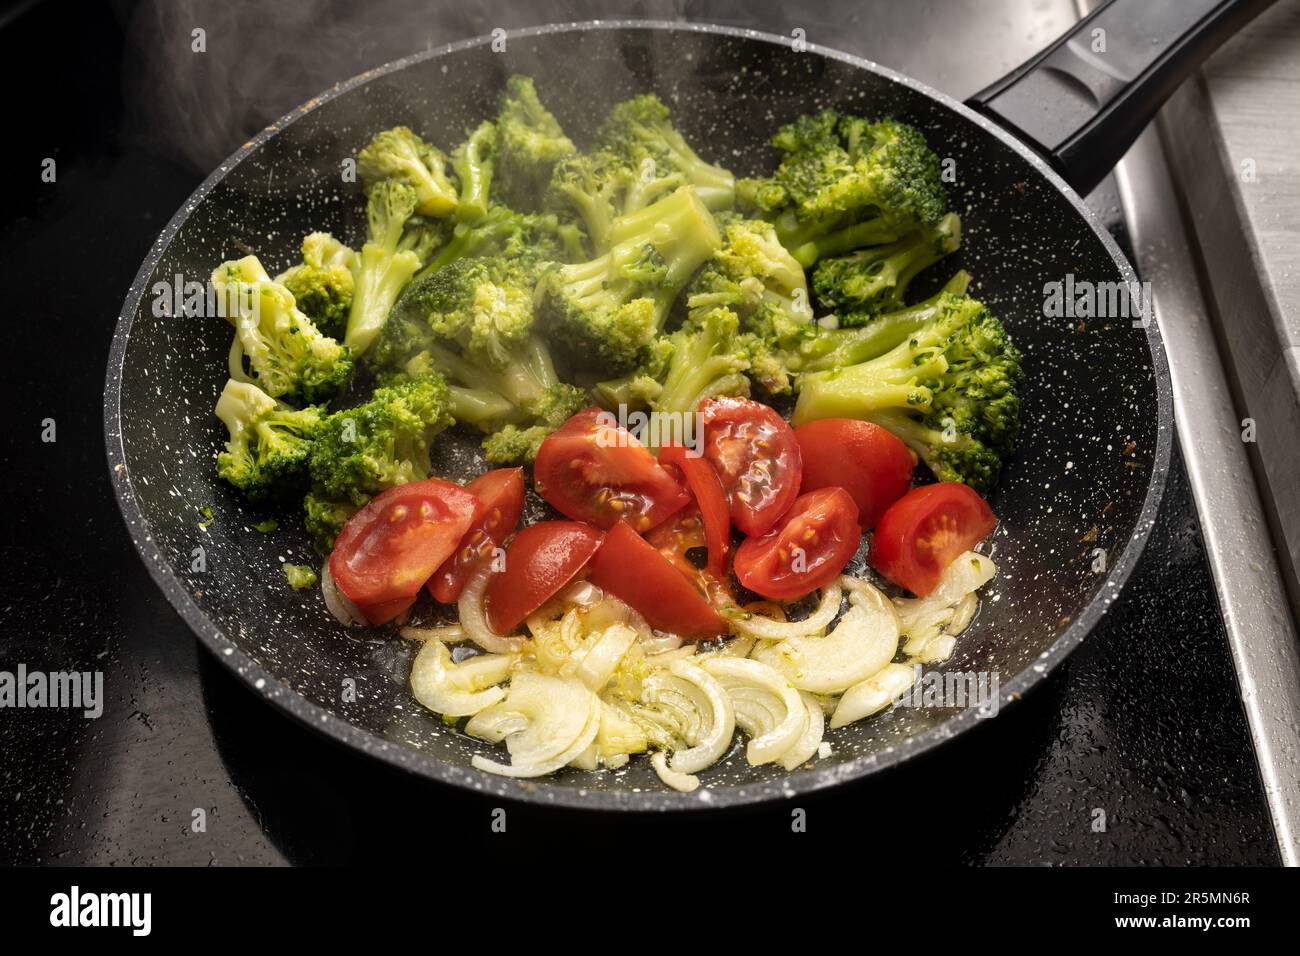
(628, 800)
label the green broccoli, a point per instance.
(640, 131)
(505, 233)
(322, 284)
(289, 356)
(824, 345)
(300, 576)
(951, 391)
(865, 283)
(324, 518)
(608, 311)
(472, 322)
(387, 261)
(364, 450)
(756, 277)
(530, 142)
(599, 187)
(399, 155)
(845, 182)
(269, 444)
(473, 162)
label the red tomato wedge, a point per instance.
(709, 497)
(807, 550)
(389, 548)
(680, 534)
(540, 561)
(873, 466)
(632, 570)
(755, 454)
(592, 470)
(925, 529)
(502, 494)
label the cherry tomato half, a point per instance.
(592, 470)
(632, 570)
(807, 550)
(925, 529)
(755, 454)
(709, 498)
(502, 494)
(389, 548)
(540, 560)
(873, 466)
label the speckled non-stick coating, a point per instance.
(1089, 474)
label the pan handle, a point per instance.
(1083, 101)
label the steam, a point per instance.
(262, 60)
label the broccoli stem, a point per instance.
(479, 407)
(472, 162)
(858, 391)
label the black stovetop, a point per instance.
(1143, 723)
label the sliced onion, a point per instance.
(458, 690)
(446, 633)
(602, 659)
(864, 641)
(766, 705)
(562, 716)
(873, 694)
(681, 782)
(474, 621)
(811, 740)
(715, 722)
(771, 630)
(581, 593)
(344, 611)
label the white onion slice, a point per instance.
(474, 621)
(864, 641)
(562, 716)
(458, 690)
(602, 659)
(766, 705)
(344, 611)
(873, 694)
(446, 633)
(681, 782)
(809, 743)
(768, 629)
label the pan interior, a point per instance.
(1070, 502)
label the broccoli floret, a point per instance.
(638, 388)
(709, 359)
(509, 234)
(608, 311)
(300, 576)
(399, 155)
(472, 323)
(322, 283)
(269, 444)
(951, 391)
(290, 357)
(640, 131)
(387, 261)
(845, 182)
(530, 142)
(865, 283)
(382, 443)
(324, 519)
(473, 162)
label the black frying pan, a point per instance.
(1098, 419)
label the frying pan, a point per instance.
(1075, 503)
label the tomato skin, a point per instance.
(632, 570)
(765, 565)
(755, 454)
(921, 533)
(389, 548)
(592, 470)
(868, 462)
(540, 560)
(711, 500)
(502, 493)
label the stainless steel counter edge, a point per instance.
(1247, 576)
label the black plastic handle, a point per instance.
(1083, 101)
